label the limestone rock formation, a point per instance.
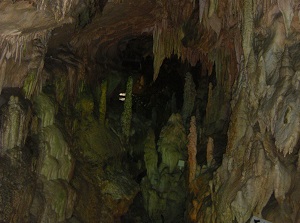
(164, 186)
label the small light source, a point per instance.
(122, 96)
(181, 164)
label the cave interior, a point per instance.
(149, 111)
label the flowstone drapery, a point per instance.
(261, 156)
(55, 200)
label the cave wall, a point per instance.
(261, 159)
(251, 46)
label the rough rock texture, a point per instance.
(16, 191)
(108, 194)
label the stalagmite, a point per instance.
(127, 113)
(166, 187)
(151, 157)
(189, 97)
(13, 126)
(102, 104)
(2, 72)
(192, 149)
(45, 109)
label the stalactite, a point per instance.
(73, 73)
(157, 51)
(168, 34)
(202, 4)
(213, 4)
(13, 45)
(215, 23)
(192, 150)
(191, 55)
(32, 83)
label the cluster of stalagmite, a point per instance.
(164, 185)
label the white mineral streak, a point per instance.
(60, 8)
(12, 46)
